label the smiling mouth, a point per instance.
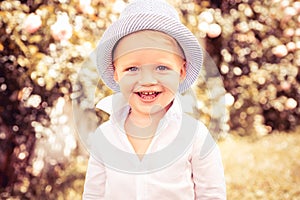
(148, 95)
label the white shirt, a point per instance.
(195, 173)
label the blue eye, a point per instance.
(132, 69)
(162, 68)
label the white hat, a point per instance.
(149, 15)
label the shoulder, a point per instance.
(195, 125)
(203, 142)
(104, 126)
(101, 131)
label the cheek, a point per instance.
(126, 84)
(171, 82)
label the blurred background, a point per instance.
(48, 76)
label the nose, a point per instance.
(147, 77)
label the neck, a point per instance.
(144, 125)
(146, 119)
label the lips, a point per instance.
(148, 95)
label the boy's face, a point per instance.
(149, 79)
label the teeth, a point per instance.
(147, 93)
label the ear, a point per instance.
(116, 77)
(183, 72)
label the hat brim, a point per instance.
(149, 21)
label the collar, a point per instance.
(118, 108)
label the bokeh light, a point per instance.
(44, 44)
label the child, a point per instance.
(150, 149)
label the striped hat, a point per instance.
(155, 15)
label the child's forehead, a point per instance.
(147, 39)
(148, 57)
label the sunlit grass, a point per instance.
(268, 168)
